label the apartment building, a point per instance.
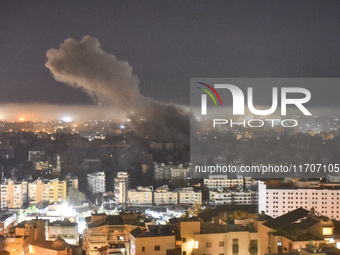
(222, 181)
(297, 230)
(171, 172)
(16, 194)
(141, 195)
(96, 182)
(121, 184)
(64, 229)
(202, 238)
(47, 191)
(248, 197)
(13, 194)
(189, 196)
(161, 172)
(57, 190)
(72, 182)
(156, 240)
(29, 237)
(163, 196)
(38, 192)
(108, 231)
(324, 199)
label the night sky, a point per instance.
(167, 42)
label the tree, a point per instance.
(75, 197)
(32, 209)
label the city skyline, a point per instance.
(168, 44)
(103, 150)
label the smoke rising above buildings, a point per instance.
(109, 81)
(101, 75)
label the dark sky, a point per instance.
(167, 42)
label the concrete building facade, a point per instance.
(96, 182)
(141, 195)
(121, 184)
(162, 196)
(325, 200)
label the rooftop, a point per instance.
(5, 216)
(210, 214)
(62, 223)
(152, 231)
(287, 218)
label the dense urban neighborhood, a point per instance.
(96, 187)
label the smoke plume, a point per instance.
(110, 81)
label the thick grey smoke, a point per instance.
(111, 81)
(101, 75)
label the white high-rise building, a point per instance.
(96, 182)
(121, 184)
(277, 201)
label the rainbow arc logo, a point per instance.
(209, 93)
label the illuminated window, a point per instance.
(327, 231)
(196, 245)
(279, 242)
